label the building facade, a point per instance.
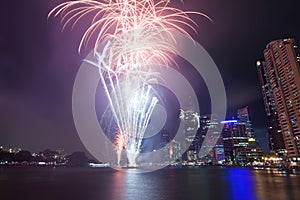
(249, 154)
(282, 72)
(212, 149)
(275, 137)
(243, 116)
(234, 137)
(190, 119)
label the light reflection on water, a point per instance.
(276, 184)
(241, 184)
(194, 183)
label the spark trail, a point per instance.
(134, 35)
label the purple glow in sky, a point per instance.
(38, 64)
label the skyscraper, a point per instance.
(211, 143)
(243, 116)
(191, 125)
(275, 137)
(234, 137)
(282, 73)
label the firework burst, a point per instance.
(113, 17)
(136, 34)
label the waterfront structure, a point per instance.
(191, 124)
(213, 145)
(282, 73)
(174, 150)
(164, 138)
(276, 143)
(165, 145)
(249, 154)
(234, 137)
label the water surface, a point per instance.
(182, 183)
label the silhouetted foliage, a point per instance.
(22, 156)
(77, 159)
(6, 156)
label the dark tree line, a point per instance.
(20, 156)
(76, 159)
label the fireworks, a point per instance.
(129, 37)
(114, 17)
(120, 141)
(120, 144)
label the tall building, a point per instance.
(165, 144)
(234, 137)
(210, 139)
(191, 125)
(282, 72)
(275, 137)
(174, 150)
(164, 138)
(250, 153)
(243, 116)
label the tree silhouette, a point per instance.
(22, 156)
(77, 159)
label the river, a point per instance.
(31, 183)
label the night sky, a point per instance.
(38, 64)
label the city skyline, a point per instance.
(37, 81)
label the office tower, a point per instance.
(275, 137)
(243, 116)
(165, 144)
(190, 119)
(174, 150)
(210, 139)
(250, 153)
(282, 72)
(234, 137)
(164, 138)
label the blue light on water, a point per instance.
(241, 184)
